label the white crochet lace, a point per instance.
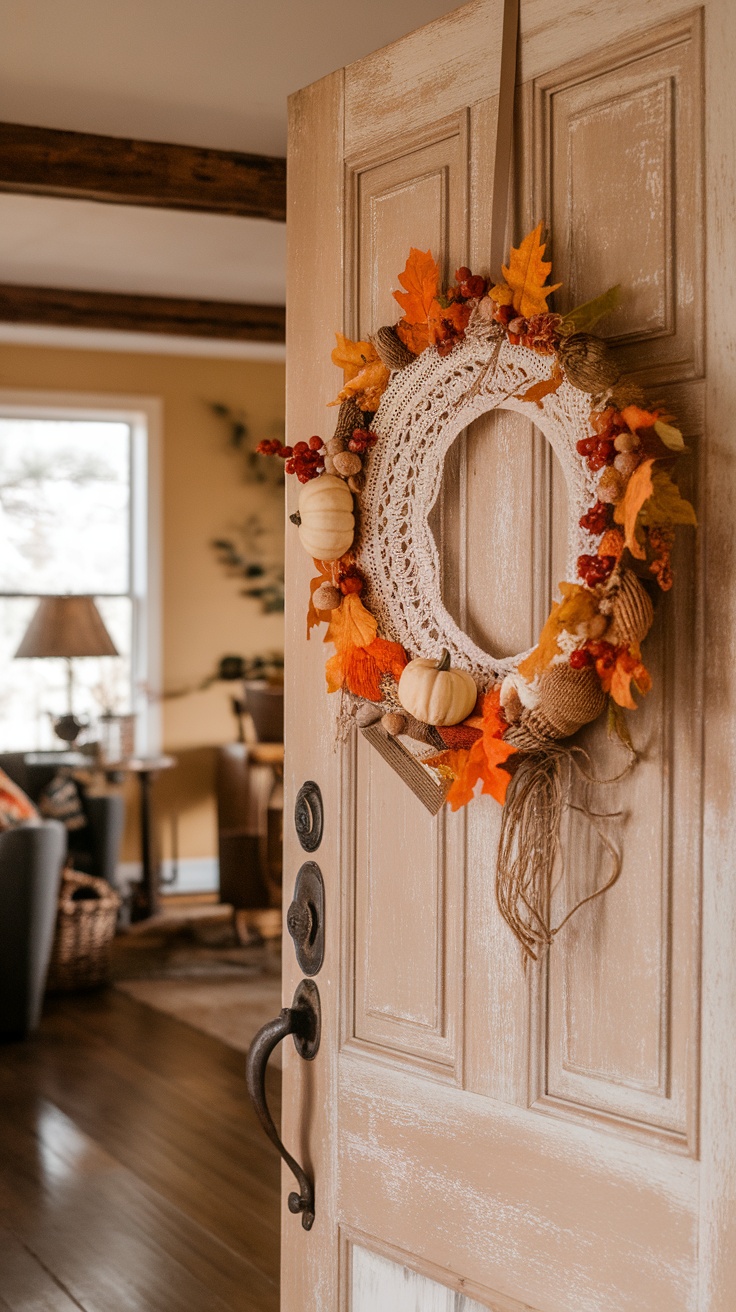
(423, 410)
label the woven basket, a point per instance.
(85, 928)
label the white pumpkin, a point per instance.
(435, 694)
(326, 520)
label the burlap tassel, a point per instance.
(588, 363)
(530, 841)
(632, 614)
(527, 849)
(391, 349)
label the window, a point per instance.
(75, 517)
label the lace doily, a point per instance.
(425, 407)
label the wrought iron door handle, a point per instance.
(303, 1019)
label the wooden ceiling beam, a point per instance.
(120, 171)
(175, 315)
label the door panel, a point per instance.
(482, 1133)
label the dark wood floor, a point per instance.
(133, 1174)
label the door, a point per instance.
(557, 1138)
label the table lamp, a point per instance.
(67, 627)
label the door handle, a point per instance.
(303, 1019)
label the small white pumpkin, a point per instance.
(435, 694)
(325, 518)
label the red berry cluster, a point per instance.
(580, 658)
(306, 459)
(350, 579)
(597, 519)
(540, 333)
(595, 569)
(598, 451)
(362, 440)
(470, 286)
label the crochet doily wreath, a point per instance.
(424, 409)
(452, 720)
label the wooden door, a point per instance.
(561, 1138)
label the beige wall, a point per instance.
(204, 496)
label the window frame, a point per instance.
(144, 415)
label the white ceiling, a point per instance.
(199, 72)
(122, 248)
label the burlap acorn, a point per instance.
(391, 349)
(588, 362)
(632, 613)
(568, 699)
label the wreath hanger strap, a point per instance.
(504, 134)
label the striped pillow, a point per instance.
(15, 807)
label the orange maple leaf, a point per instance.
(617, 677)
(314, 616)
(579, 604)
(361, 657)
(545, 387)
(365, 376)
(638, 490)
(525, 277)
(421, 278)
(483, 761)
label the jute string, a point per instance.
(530, 841)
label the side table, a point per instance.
(147, 893)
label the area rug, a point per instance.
(195, 970)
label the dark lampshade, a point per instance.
(67, 626)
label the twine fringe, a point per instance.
(530, 841)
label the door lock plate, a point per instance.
(305, 919)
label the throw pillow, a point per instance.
(16, 808)
(61, 800)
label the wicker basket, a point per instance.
(85, 927)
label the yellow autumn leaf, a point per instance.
(365, 375)
(525, 277)
(351, 357)
(352, 625)
(577, 606)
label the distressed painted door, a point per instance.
(559, 1138)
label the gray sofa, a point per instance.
(31, 861)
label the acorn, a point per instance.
(367, 713)
(626, 463)
(626, 442)
(329, 465)
(356, 483)
(588, 362)
(347, 463)
(327, 597)
(611, 486)
(390, 349)
(393, 723)
(335, 445)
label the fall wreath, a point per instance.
(451, 719)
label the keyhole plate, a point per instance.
(309, 816)
(305, 919)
